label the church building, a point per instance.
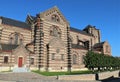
(47, 42)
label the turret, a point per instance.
(95, 32)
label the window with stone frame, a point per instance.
(62, 56)
(31, 61)
(55, 18)
(21, 41)
(53, 56)
(5, 59)
(74, 59)
(15, 38)
(55, 31)
(82, 59)
(10, 41)
(107, 48)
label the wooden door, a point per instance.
(20, 62)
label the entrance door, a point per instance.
(20, 62)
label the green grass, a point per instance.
(7, 71)
(62, 73)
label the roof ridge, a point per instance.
(80, 31)
(14, 22)
(13, 19)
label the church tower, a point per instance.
(95, 33)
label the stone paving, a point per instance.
(30, 77)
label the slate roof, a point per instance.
(80, 31)
(33, 17)
(76, 46)
(99, 45)
(8, 47)
(12, 22)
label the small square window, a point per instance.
(5, 59)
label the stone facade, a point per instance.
(47, 42)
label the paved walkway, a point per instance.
(30, 77)
(33, 77)
(24, 77)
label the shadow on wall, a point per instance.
(111, 79)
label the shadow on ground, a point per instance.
(111, 79)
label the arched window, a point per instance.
(55, 31)
(15, 38)
(55, 18)
(21, 41)
(31, 61)
(107, 49)
(70, 40)
(74, 59)
(11, 39)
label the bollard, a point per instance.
(96, 76)
(119, 74)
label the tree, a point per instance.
(94, 60)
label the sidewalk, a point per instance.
(6, 81)
(31, 77)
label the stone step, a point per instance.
(21, 69)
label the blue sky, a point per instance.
(104, 14)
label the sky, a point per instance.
(104, 14)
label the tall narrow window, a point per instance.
(11, 39)
(31, 61)
(62, 56)
(107, 49)
(51, 32)
(21, 41)
(53, 56)
(5, 59)
(16, 38)
(74, 59)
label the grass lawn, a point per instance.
(7, 71)
(62, 73)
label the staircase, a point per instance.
(21, 69)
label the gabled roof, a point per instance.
(8, 47)
(55, 8)
(12, 22)
(80, 31)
